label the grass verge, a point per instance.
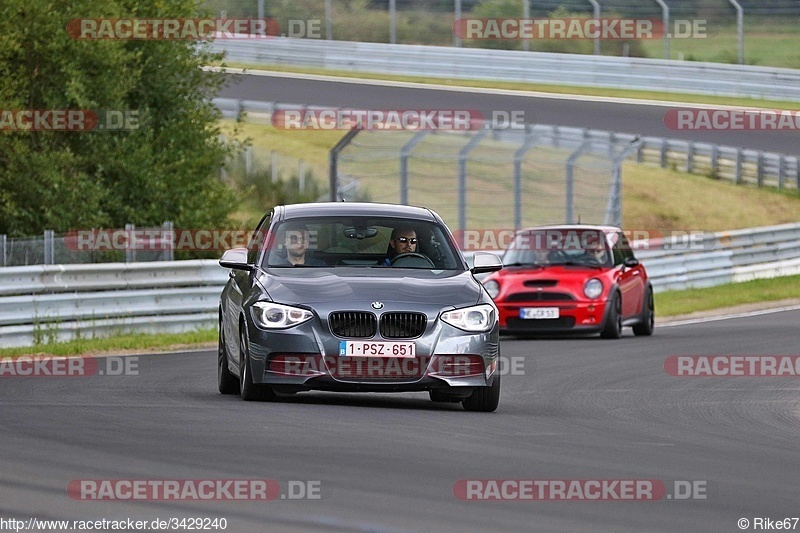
(673, 303)
(117, 344)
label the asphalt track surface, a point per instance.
(641, 118)
(582, 409)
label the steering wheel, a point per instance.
(409, 258)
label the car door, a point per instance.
(630, 279)
(241, 284)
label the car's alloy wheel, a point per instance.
(613, 328)
(226, 382)
(648, 323)
(484, 399)
(249, 390)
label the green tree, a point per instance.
(164, 170)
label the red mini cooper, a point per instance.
(572, 279)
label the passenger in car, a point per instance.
(296, 242)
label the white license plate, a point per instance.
(538, 312)
(376, 349)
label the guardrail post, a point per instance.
(612, 139)
(663, 156)
(570, 185)
(462, 180)
(530, 140)
(3, 249)
(781, 170)
(760, 169)
(333, 163)
(405, 153)
(738, 170)
(690, 158)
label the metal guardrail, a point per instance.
(516, 66)
(40, 304)
(739, 165)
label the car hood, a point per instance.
(440, 288)
(561, 273)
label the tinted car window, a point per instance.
(359, 242)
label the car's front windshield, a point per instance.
(361, 242)
(568, 246)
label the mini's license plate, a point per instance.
(376, 349)
(538, 312)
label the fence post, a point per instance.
(274, 165)
(392, 21)
(462, 181)
(302, 177)
(168, 241)
(530, 140)
(405, 153)
(739, 29)
(526, 14)
(333, 163)
(457, 16)
(570, 167)
(328, 20)
(596, 6)
(667, 29)
(130, 253)
(3, 248)
(614, 208)
(49, 255)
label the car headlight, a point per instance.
(593, 288)
(492, 287)
(274, 316)
(477, 318)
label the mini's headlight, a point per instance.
(593, 288)
(478, 318)
(493, 288)
(275, 316)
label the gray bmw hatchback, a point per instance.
(358, 297)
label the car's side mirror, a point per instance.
(235, 258)
(631, 262)
(483, 262)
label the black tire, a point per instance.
(247, 389)
(648, 324)
(613, 327)
(226, 382)
(484, 399)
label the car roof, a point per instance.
(604, 229)
(356, 208)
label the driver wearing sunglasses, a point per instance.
(402, 241)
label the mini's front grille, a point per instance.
(357, 324)
(540, 297)
(540, 283)
(403, 325)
